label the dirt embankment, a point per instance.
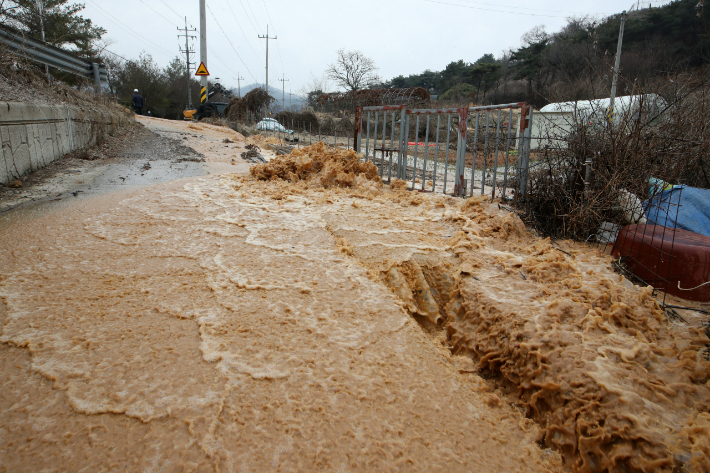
(612, 384)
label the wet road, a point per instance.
(215, 323)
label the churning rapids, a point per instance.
(305, 317)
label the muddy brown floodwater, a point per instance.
(316, 320)
(194, 326)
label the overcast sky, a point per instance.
(401, 36)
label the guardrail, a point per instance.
(38, 51)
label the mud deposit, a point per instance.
(297, 323)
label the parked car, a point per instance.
(269, 124)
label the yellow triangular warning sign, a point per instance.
(202, 70)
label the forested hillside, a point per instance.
(575, 63)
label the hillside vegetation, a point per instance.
(575, 63)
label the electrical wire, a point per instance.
(158, 13)
(128, 29)
(171, 9)
(230, 43)
(219, 62)
(117, 55)
(515, 7)
(278, 46)
(242, 30)
(497, 11)
(248, 17)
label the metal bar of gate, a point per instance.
(416, 147)
(460, 187)
(389, 171)
(526, 152)
(448, 141)
(374, 144)
(404, 147)
(426, 150)
(436, 152)
(507, 152)
(495, 165)
(367, 141)
(384, 142)
(475, 153)
(485, 155)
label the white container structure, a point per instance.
(554, 122)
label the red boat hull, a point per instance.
(676, 261)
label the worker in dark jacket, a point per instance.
(137, 102)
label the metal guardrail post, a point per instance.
(97, 74)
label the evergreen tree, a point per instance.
(63, 26)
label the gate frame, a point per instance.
(523, 161)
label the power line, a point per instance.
(497, 11)
(171, 9)
(252, 14)
(157, 13)
(220, 62)
(533, 9)
(129, 30)
(242, 30)
(278, 46)
(230, 43)
(117, 55)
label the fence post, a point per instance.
(460, 185)
(526, 117)
(357, 136)
(402, 155)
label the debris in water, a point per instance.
(322, 167)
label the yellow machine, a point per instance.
(188, 113)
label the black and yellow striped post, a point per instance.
(203, 94)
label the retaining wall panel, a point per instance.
(32, 136)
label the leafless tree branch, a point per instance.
(353, 70)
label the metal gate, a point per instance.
(443, 135)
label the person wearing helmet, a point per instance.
(137, 102)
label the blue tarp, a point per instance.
(682, 206)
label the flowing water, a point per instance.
(209, 325)
(226, 323)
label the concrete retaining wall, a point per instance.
(33, 136)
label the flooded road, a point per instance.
(217, 323)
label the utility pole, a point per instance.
(267, 38)
(615, 79)
(283, 92)
(239, 84)
(189, 64)
(203, 50)
(290, 102)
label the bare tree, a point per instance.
(353, 70)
